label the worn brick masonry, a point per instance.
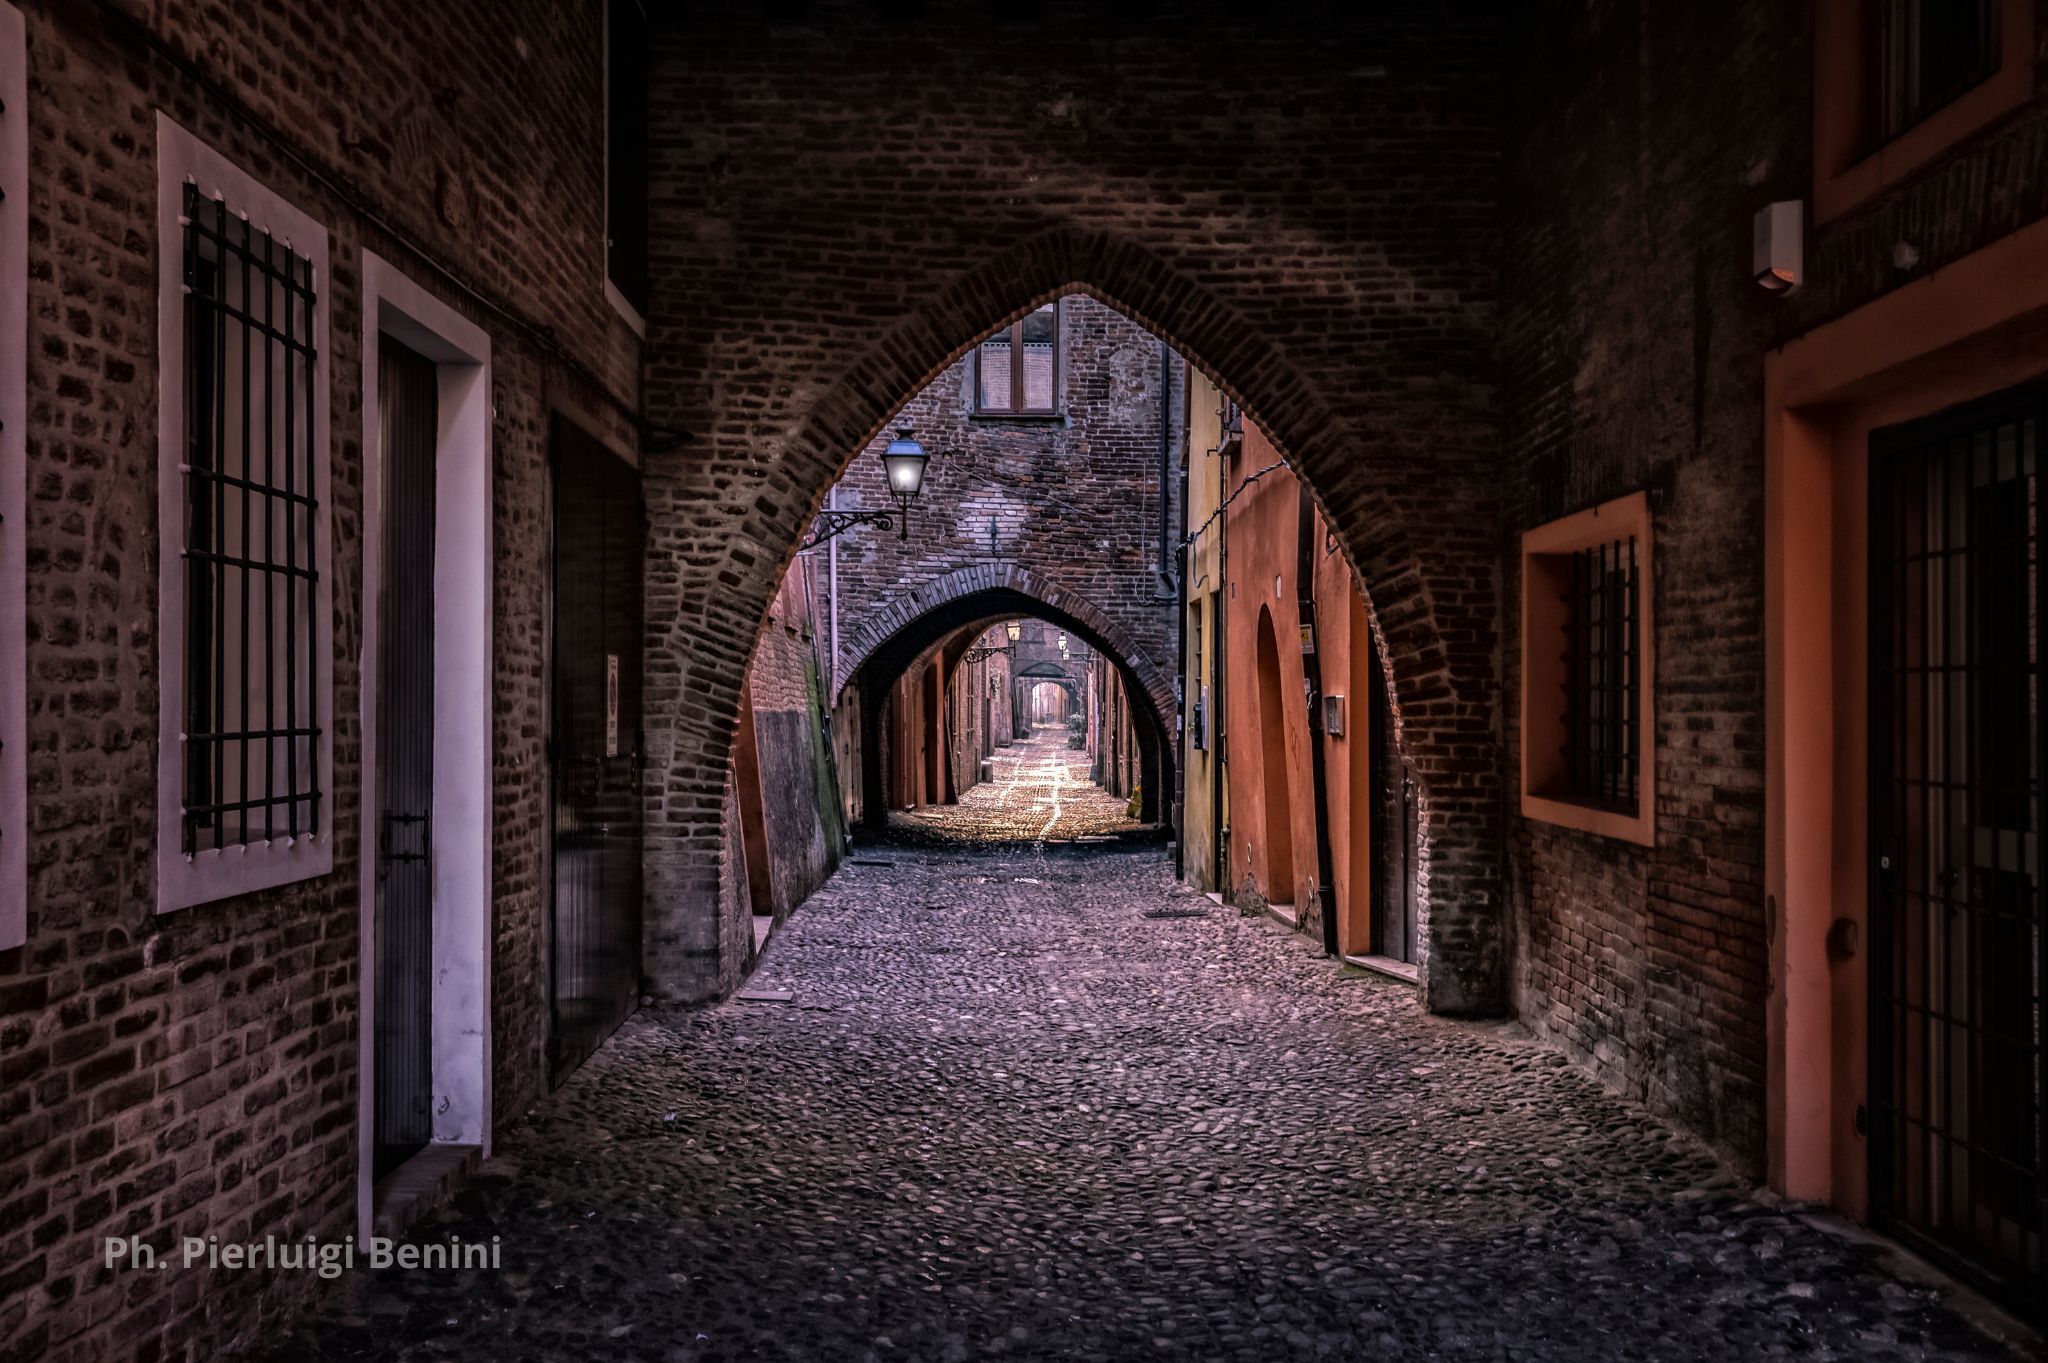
(195, 1073)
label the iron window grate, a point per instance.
(1602, 742)
(251, 721)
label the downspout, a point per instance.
(1219, 704)
(1171, 756)
(832, 570)
(1179, 737)
(1166, 582)
(1312, 687)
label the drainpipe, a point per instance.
(1219, 753)
(1178, 738)
(1312, 685)
(1166, 582)
(832, 562)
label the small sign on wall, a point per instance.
(611, 705)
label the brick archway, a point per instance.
(1431, 576)
(984, 582)
(971, 599)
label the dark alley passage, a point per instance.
(1001, 1112)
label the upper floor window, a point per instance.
(1016, 371)
(245, 589)
(1586, 645)
(625, 163)
(1899, 82)
(1924, 54)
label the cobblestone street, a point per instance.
(1005, 1114)
(1038, 791)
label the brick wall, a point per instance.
(799, 787)
(1633, 343)
(843, 204)
(195, 1073)
(1074, 500)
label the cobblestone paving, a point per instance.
(1005, 1115)
(1038, 791)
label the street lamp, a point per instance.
(903, 464)
(976, 654)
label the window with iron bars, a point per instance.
(252, 668)
(1602, 748)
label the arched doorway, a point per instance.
(1275, 855)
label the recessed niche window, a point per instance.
(1925, 54)
(1587, 739)
(246, 589)
(1016, 371)
(627, 276)
(1899, 82)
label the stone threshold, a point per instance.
(1388, 966)
(416, 1187)
(1286, 913)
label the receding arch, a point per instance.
(974, 598)
(1429, 576)
(1276, 792)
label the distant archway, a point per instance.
(1276, 853)
(970, 599)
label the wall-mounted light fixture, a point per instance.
(1778, 246)
(903, 463)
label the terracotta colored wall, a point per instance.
(1263, 530)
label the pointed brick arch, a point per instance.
(913, 627)
(1394, 477)
(985, 582)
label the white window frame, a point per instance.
(216, 873)
(13, 480)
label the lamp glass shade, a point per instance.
(1015, 631)
(904, 462)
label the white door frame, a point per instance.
(395, 306)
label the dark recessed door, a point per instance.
(408, 396)
(600, 532)
(1957, 953)
(1395, 831)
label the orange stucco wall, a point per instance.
(1263, 527)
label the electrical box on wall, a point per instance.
(1778, 245)
(1333, 716)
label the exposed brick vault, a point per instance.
(838, 221)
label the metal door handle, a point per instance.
(426, 823)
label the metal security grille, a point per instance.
(1957, 951)
(1602, 745)
(251, 672)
